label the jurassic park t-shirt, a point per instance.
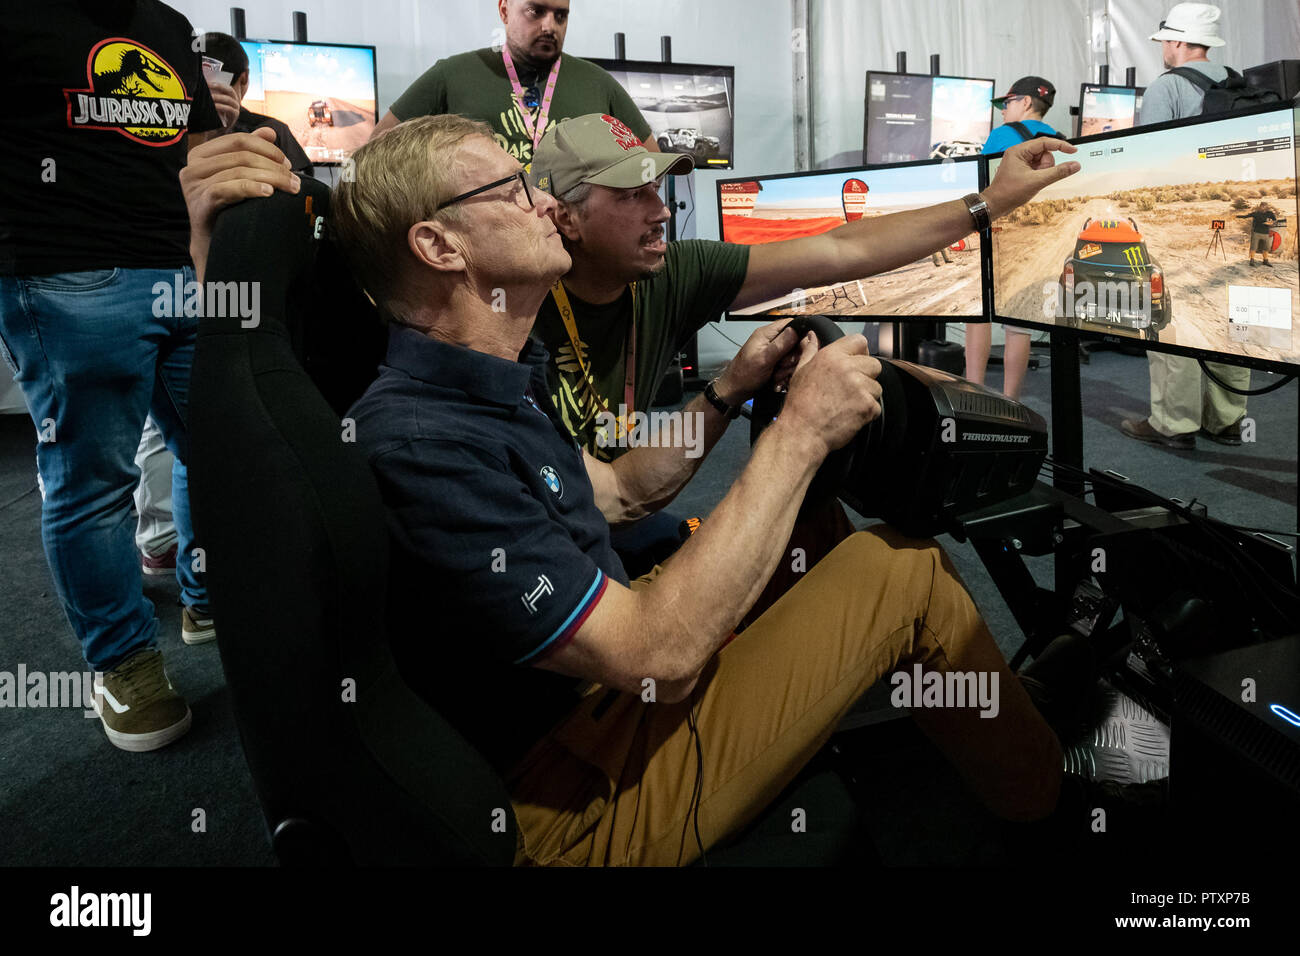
(699, 280)
(99, 95)
(476, 85)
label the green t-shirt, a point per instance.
(699, 280)
(476, 85)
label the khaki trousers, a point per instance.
(1183, 400)
(612, 784)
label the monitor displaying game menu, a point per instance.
(912, 116)
(1106, 109)
(691, 108)
(1181, 236)
(326, 93)
(946, 285)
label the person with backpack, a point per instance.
(1193, 85)
(1183, 402)
(1023, 108)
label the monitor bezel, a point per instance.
(866, 104)
(374, 69)
(673, 68)
(1209, 355)
(981, 177)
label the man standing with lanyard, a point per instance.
(518, 89)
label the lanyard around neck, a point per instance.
(571, 327)
(534, 133)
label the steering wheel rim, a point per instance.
(768, 402)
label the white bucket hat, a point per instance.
(1192, 23)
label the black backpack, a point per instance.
(1023, 130)
(1234, 93)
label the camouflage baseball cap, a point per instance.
(601, 150)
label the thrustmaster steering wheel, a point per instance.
(839, 464)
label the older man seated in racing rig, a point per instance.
(601, 699)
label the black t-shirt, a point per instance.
(699, 280)
(99, 95)
(1260, 222)
(284, 138)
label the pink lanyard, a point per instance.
(535, 134)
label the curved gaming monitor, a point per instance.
(945, 286)
(1151, 242)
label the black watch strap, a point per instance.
(979, 210)
(713, 398)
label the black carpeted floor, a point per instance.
(67, 797)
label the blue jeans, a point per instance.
(92, 359)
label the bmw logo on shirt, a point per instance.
(552, 481)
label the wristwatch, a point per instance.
(713, 398)
(979, 210)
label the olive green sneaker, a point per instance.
(195, 628)
(138, 705)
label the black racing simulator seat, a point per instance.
(350, 765)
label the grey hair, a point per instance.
(577, 196)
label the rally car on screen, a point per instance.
(1111, 284)
(320, 113)
(955, 148)
(686, 140)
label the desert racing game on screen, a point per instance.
(1184, 236)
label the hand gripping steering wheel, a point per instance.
(842, 463)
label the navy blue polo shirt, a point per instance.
(499, 551)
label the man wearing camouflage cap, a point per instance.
(631, 299)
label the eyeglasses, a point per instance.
(1003, 102)
(534, 180)
(1164, 26)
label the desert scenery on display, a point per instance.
(352, 123)
(771, 210)
(961, 111)
(1104, 112)
(1163, 215)
(325, 95)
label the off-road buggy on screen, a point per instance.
(319, 112)
(955, 149)
(686, 140)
